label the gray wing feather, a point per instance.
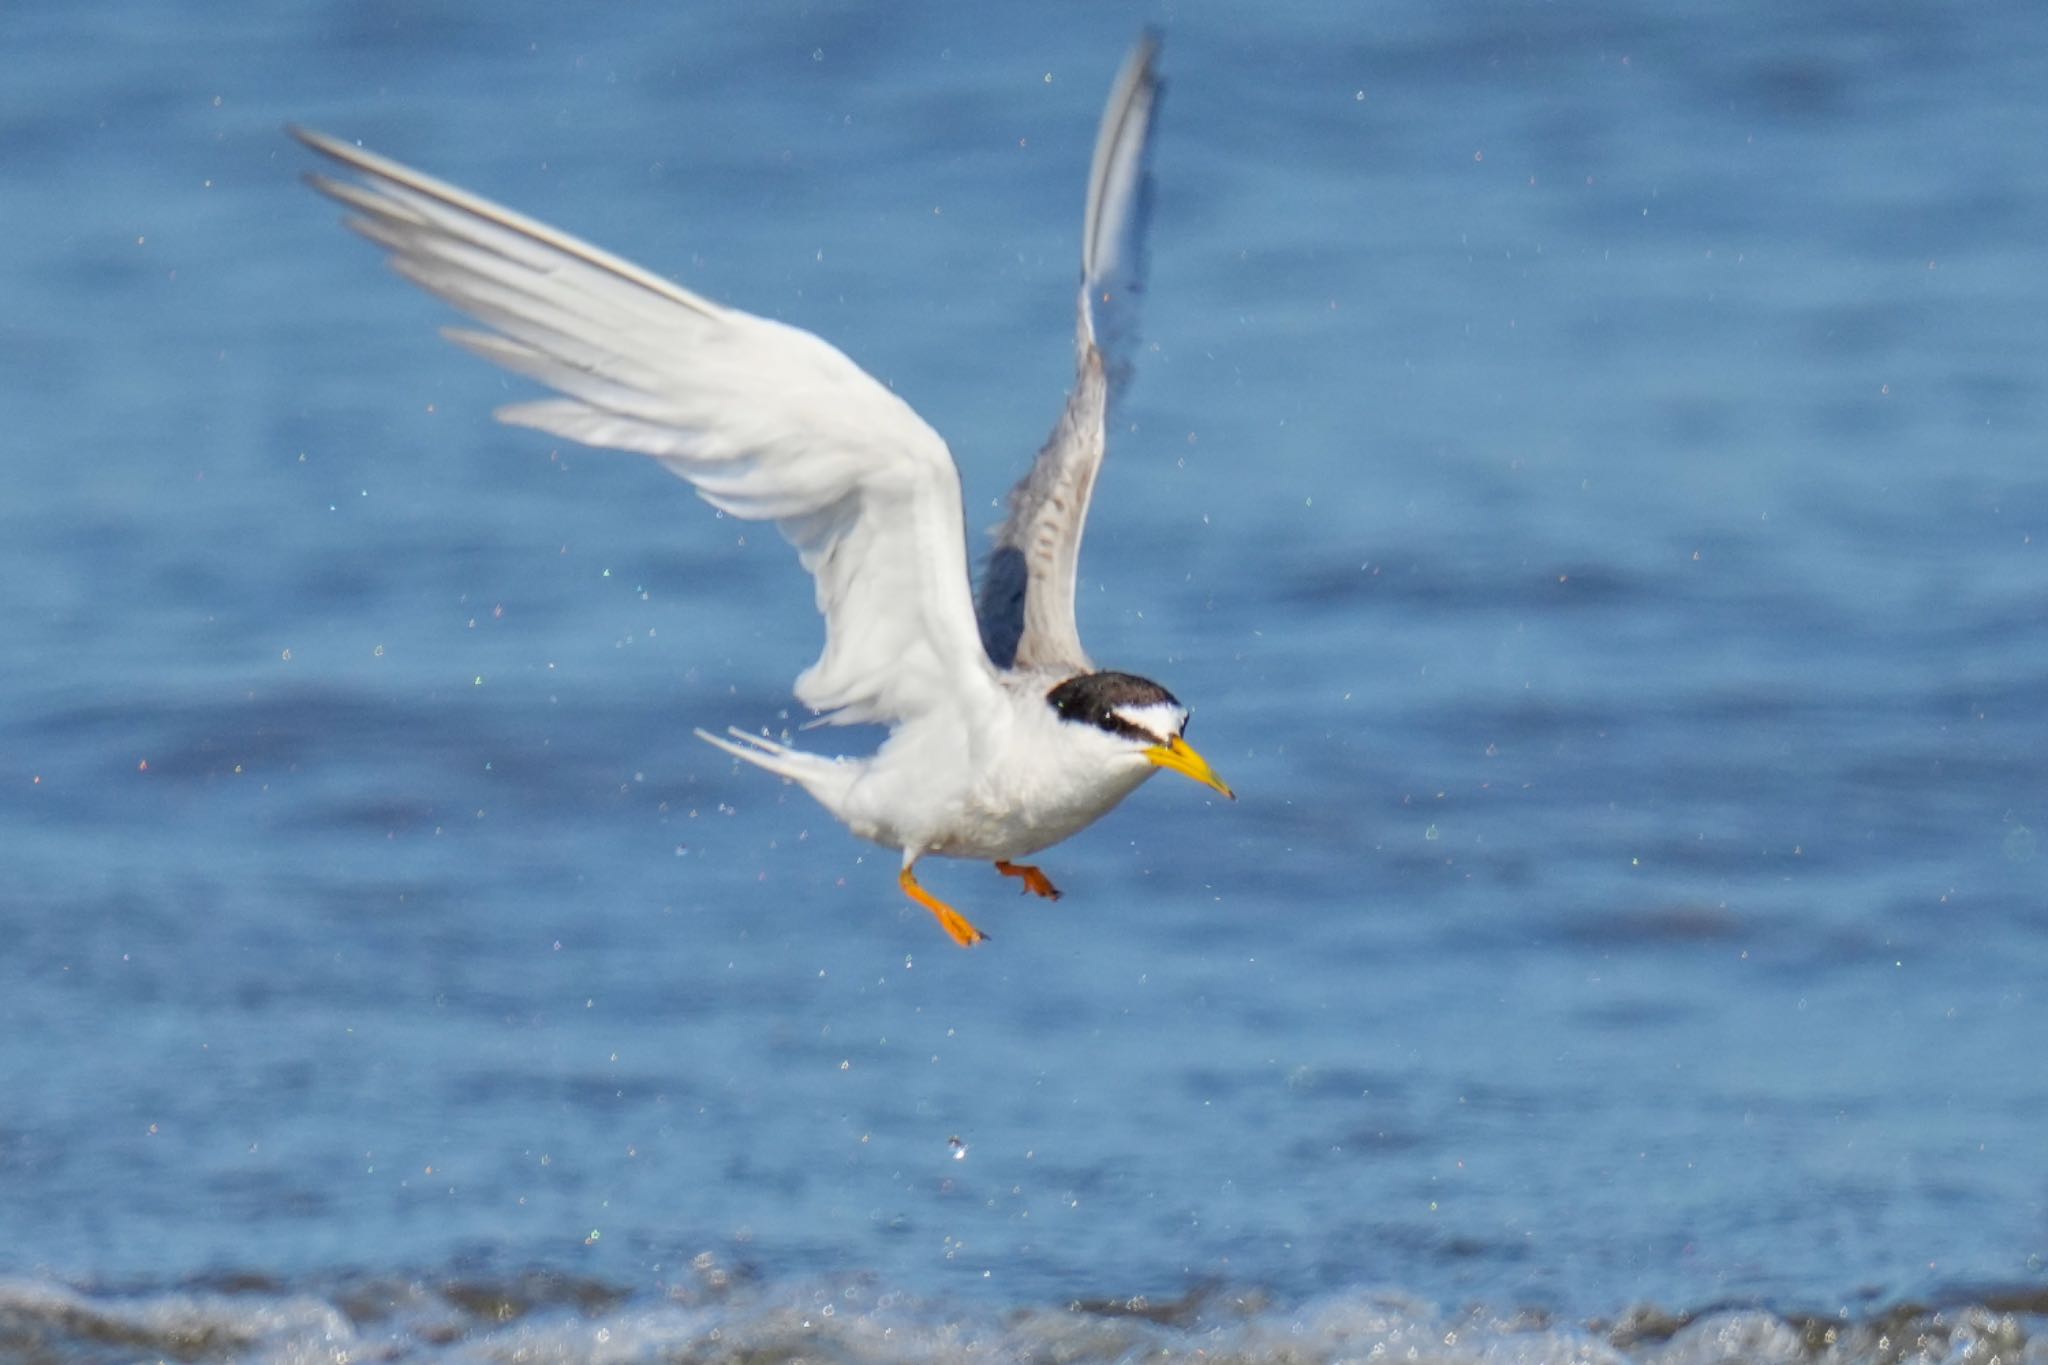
(769, 423)
(1026, 599)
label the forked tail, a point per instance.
(826, 779)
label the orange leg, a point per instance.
(951, 920)
(1036, 882)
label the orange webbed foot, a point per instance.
(1035, 882)
(951, 920)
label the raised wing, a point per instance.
(1026, 601)
(769, 422)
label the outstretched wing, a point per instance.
(769, 422)
(1026, 601)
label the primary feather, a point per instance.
(769, 423)
(1026, 600)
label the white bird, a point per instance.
(1004, 737)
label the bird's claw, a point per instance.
(1036, 883)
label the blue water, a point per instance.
(1586, 473)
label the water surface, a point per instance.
(1585, 473)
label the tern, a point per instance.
(1004, 737)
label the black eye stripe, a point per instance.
(1094, 699)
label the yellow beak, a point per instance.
(1178, 756)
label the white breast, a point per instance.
(1033, 781)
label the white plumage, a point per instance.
(1003, 737)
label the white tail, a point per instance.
(826, 779)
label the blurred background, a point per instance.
(1584, 471)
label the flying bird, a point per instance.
(1004, 737)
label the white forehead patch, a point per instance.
(1163, 719)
